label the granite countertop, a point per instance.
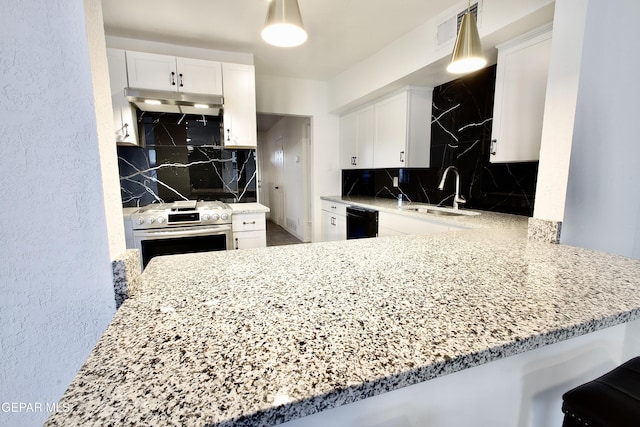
(250, 207)
(263, 336)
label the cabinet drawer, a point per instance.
(248, 222)
(334, 207)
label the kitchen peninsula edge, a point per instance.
(265, 336)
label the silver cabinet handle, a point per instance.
(228, 134)
(237, 244)
(494, 144)
(180, 80)
(126, 130)
(247, 223)
(172, 79)
(402, 157)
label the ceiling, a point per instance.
(341, 33)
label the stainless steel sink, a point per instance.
(436, 210)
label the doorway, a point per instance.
(284, 159)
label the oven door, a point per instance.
(181, 240)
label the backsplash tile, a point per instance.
(460, 136)
(182, 159)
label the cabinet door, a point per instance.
(390, 132)
(239, 105)
(340, 227)
(521, 84)
(199, 76)
(356, 139)
(123, 115)
(250, 239)
(365, 124)
(348, 141)
(334, 227)
(152, 71)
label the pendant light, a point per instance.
(283, 27)
(467, 53)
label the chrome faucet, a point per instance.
(457, 198)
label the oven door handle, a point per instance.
(182, 232)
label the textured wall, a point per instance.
(560, 109)
(56, 292)
(105, 126)
(602, 206)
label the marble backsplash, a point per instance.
(181, 158)
(460, 136)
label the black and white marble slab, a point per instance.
(182, 158)
(260, 337)
(461, 123)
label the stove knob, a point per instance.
(160, 219)
(215, 217)
(224, 216)
(140, 220)
(149, 220)
(205, 217)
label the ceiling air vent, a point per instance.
(448, 30)
(474, 12)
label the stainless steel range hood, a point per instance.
(175, 102)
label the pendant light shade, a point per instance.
(283, 26)
(467, 54)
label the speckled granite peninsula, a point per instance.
(260, 337)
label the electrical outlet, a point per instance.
(395, 181)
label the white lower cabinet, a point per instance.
(334, 221)
(394, 225)
(249, 230)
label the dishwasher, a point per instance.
(361, 222)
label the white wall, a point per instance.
(285, 96)
(560, 109)
(602, 206)
(55, 275)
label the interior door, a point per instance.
(276, 190)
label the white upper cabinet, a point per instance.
(393, 132)
(402, 137)
(199, 76)
(239, 105)
(521, 84)
(170, 73)
(356, 139)
(123, 115)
